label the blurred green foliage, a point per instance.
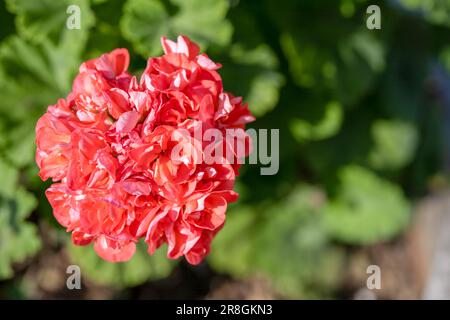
(18, 238)
(360, 135)
(131, 273)
(366, 209)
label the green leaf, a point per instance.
(395, 144)
(349, 70)
(260, 79)
(106, 35)
(285, 241)
(435, 11)
(294, 250)
(228, 254)
(360, 60)
(145, 21)
(32, 76)
(351, 144)
(21, 149)
(47, 47)
(7, 20)
(328, 126)
(40, 20)
(264, 93)
(366, 208)
(445, 57)
(18, 238)
(141, 268)
(308, 64)
(9, 176)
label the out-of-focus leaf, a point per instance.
(349, 71)
(232, 249)
(18, 238)
(361, 58)
(308, 65)
(42, 26)
(7, 20)
(366, 208)
(105, 35)
(10, 176)
(20, 152)
(350, 145)
(286, 242)
(40, 20)
(264, 92)
(328, 126)
(294, 250)
(261, 55)
(31, 78)
(145, 21)
(262, 80)
(435, 11)
(402, 92)
(445, 57)
(395, 144)
(141, 268)
(211, 26)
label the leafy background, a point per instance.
(362, 117)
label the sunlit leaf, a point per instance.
(145, 21)
(232, 249)
(40, 20)
(395, 144)
(325, 128)
(366, 208)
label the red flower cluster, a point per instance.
(109, 148)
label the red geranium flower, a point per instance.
(125, 158)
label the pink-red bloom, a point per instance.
(110, 149)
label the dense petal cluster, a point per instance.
(109, 146)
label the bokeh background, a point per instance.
(364, 119)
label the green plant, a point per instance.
(360, 135)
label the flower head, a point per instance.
(125, 158)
